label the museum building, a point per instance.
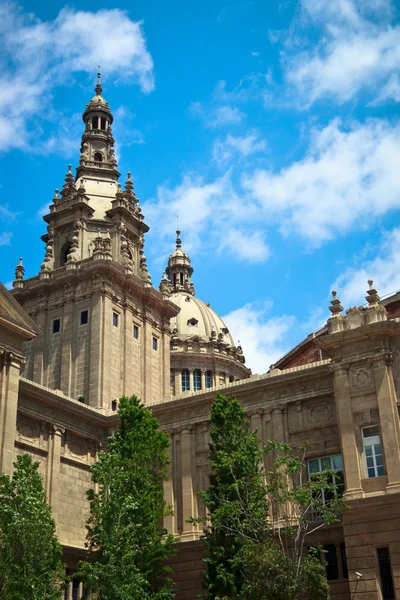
(90, 327)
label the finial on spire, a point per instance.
(372, 296)
(335, 308)
(178, 239)
(98, 89)
(19, 273)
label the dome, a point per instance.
(197, 319)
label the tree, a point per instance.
(30, 554)
(126, 542)
(258, 521)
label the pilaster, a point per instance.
(9, 383)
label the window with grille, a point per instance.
(373, 452)
(208, 379)
(331, 463)
(197, 380)
(385, 570)
(185, 380)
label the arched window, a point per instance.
(98, 157)
(185, 380)
(65, 250)
(197, 380)
(208, 379)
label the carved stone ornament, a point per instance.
(361, 378)
(320, 413)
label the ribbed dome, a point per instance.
(197, 319)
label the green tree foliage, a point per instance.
(125, 538)
(258, 520)
(30, 554)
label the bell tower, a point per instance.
(104, 328)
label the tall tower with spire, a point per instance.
(105, 329)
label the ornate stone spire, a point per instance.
(97, 158)
(372, 296)
(179, 270)
(98, 89)
(19, 274)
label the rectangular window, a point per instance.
(208, 379)
(155, 343)
(343, 557)
(136, 332)
(385, 570)
(332, 463)
(373, 452)
(56, 326)
(197, 380)
(84, 317)
(115, 319)
(331, 562)
(185, 380)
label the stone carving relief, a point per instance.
(360, 378)
(28, 430)
(319, 413)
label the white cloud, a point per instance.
(40, 56)
(383, 269)
(249, 246)
(5, 238)
(263, 339)
(210, 217)
(224, 150)
(358, 50)
(348, 177)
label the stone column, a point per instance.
(96, 323)
(256, 421)
(203, 379)
(347, 430)
(188, 494)
(54, 468)
(389, 421)
(177, 382)
(10, 368)
(191, 380)
(169, 521)
(278, 432)
(66, 348)
(166, 391)
(147, 361)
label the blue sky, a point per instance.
(271, 128)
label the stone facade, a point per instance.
(97, 329)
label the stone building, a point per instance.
(90, 327)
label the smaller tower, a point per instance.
(203, 353)
(179, 269)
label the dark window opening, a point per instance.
(56, 325)
(181, 278)
(114, 405)
(84, 317)
(98, 157)
(386, 574)
(103, 124)
(185, 380)
(331, 562)
(343, 556)
(155, 343)
(95, 122)
(197, 380)
(231, 379)
(208, 379)
(65, 250)
(115, 319)
(136, 332)
(174, 279)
